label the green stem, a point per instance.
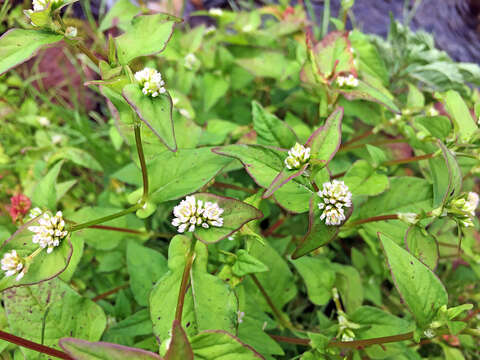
(87, 52)
(280, 317)
(185, 281)
(372, 219)
(143, 164)
(105, 218)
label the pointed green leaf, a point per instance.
(19, 45)
(284, 177)
(45, 194)
(119, 15)
(325, 141)
(180, 348)
(318, 234)
(333, 55)
(271, 130)
(235, 214)
(363, 179)
(86, 350)
(463, 121)
(155, 112)
(446, 176)
(365, 91)
(247, 264)
(134, 42)
(422, 245)
(419, 287)
(43, 266)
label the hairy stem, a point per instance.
(87, 52)
(185, 281)
(280, 317)
(34, 346)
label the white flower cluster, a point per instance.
(13, 264)
(151, 81)
(39, 5)
(190, 61)
(297, 156)
(49, 232)
(464, 208)
(336, 197)
(191, 212)
(349, 81)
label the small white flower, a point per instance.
(175, 100)
(210, 30)
(191, 212)
(71, 31)
(297, 156)
(240, 315)
(56, 139)
(215, 12)
(13, 264)
(35, 212)
(185, 113)
(190, 61)
(347, 81)
(336, 197)
(429, 333)
(431, 111)
(463, 208)
(472, 202)
(151, 82)
(49, 232)
(39, 5)
(409, 218)
(42, 120)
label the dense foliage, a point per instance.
(259, 189)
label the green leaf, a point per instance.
(145, 267)
(350, 286)
(220, 345)
(171, 175)
(19, 45)
(446, 175)
(45, 194)
(270, 129)
(333, 55)
(406, 194)
(325, 141)
(77, 156)
(133, 43)
(463, 121)
(180, 348)
(319, 288)
(263, 164)
(86, 350)
(415, 98)
(217, 88)
(363, 179)
(235, 214)
(422, 245)
(267, 64)
(134, 325)
(438, 126)
(247, 264)
(155, 112)
(419, 287)
(54, 305)
(318, 234)
(119, 15)
(43, 266)
(284, 177)
(371, 92)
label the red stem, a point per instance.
(113, 228)
(34, 346)
(408, 160)
(373, 218)
(220, 185)
(110, 292)
(274, 227)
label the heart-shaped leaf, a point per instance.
(155, 112)
(180, 348)
(86, 350)
(235, 214)
(43, 266)
(318, 234)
